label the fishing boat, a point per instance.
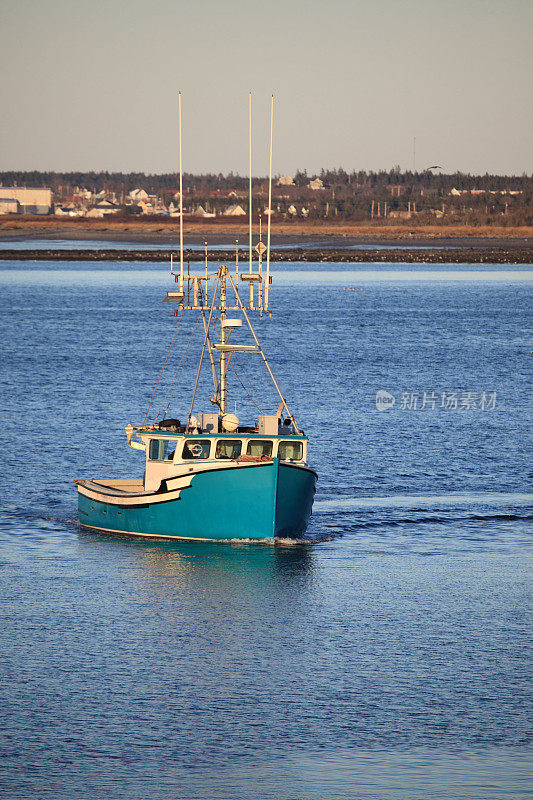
(213, 477)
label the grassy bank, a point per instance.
(166, 229)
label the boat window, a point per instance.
(196, 448)
(228, 448)
(157, 449)
(290, 451)
(259, 447)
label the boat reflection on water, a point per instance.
(213, 568)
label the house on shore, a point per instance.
(136, 195)
(201, 212)
(316, 184)
(102, 209)
(234, 211)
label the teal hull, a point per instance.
(273, 500)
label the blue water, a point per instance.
(96, 244)
(388, 656)
(15, 243)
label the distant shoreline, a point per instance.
(284, 233)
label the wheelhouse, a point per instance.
(172, 454)
(181, 448)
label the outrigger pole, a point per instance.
(181, 198)
(250, 181)
(250, 192)
(267, 281)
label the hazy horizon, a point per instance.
(256, 177)
(94, 87)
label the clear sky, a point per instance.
(92, 84)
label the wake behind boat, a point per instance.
(212, 477)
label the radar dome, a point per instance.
(230, 422)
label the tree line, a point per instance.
(429, 181)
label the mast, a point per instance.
(223, 340)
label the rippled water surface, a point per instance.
(387, 656)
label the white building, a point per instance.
(103, 208)
(285, 180)
(70, 210)
(136, 195)
(8, 205)
(316, 184)
(234, 211)
(29, 201)
(173, 210)
(201, 212)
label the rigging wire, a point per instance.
(180, 363)
(163, 368)
(216, 383)
(265, 360)
(171, 383)
(244, 387)
(203, 348)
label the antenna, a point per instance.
(206, 276)
(267, 281)
(181, 197)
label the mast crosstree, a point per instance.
(225, 297)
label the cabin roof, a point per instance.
(222, 435)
